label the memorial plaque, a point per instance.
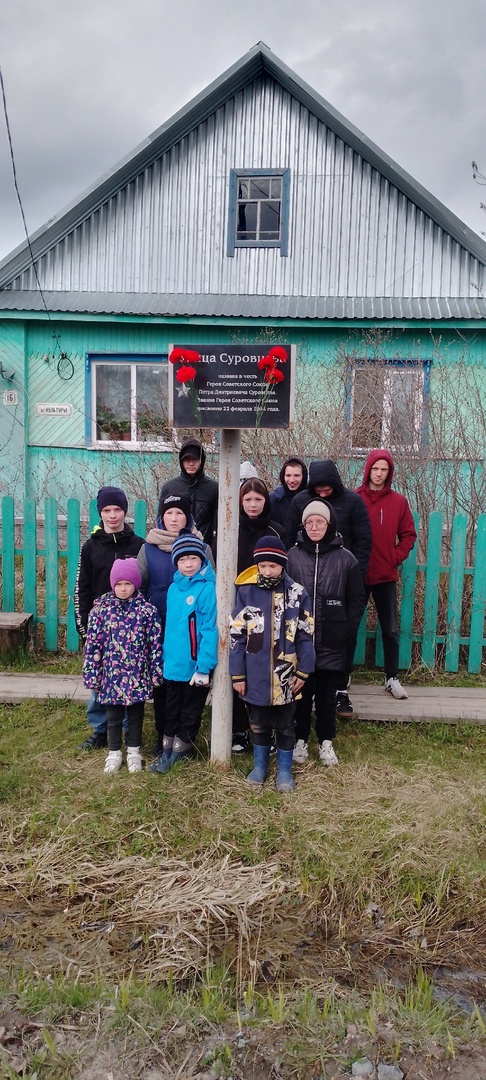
(232, 386)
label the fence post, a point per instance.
(30, 558)
(140, 517)
(52, 574)
(456, 586)
(476, 629)
(8, 554)
(431, 591)
(73, 539)
(409, 573)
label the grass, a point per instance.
(150, 904)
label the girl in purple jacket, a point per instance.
(123, 660)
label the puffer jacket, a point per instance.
(392, 524)
(271, 638)
(199, 489)
(156, 567)
(191, 634)
(123, 652)
(281, 498)
(332, 577)
(352, 517)
(94, 567)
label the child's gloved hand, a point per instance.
(198, 679)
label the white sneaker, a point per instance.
(396, 689)
(134, 759)
(301, 752)
(327, 753)
(113, 761)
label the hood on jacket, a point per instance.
(373, 457)
(325, 474)
(294, 461)
(198, 451)
(254, 484)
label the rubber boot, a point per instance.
(284, 781)
(162, 763)
(134, 759)
(180, 751)
(261, 756)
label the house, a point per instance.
(256, 212)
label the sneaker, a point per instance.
(396, 689)
(240, 742)
(301, 752)
(327, 753)
(134, 759)
(96, 741)
(113, 761)
(343, 704)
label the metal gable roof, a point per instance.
(258, 61)
(213, 306)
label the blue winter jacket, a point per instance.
(271, 638)
(191, 634)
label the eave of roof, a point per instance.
(172, 306)
(258, 61)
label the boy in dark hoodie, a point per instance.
(201, 491)
(394, 536)
(111, 539)
(293, 479)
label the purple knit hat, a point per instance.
(125, 570)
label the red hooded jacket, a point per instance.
(392, 524)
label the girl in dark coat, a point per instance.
(332, 577)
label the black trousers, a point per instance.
(160, 694)
(184, 706)
(114, 723)
(322, 685)
(265, 719)
(385, 598)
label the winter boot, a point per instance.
(162, 763)
(180, 750)
(284, 781)
(261, 755)
(113, 761)
(134, 759)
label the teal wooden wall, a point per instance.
(55, 461)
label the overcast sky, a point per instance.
(86, 82)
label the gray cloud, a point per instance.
(86, 84)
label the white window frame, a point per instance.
(160, 443)
(413, 369)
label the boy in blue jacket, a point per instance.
(190, 648)
(271, 655)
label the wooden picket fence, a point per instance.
(442, 605)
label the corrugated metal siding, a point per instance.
(352, 233)
(215, 306)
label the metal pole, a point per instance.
(229, 483)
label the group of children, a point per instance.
(135, 644)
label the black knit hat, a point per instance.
(188, 544)
(270, 549)
(178, 502)
(111, 496)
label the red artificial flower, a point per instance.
(278, 354)
(191, 356)
(273, 375)
(186, 373)
(176, 354)
(265, 362)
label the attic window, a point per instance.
(258, 213)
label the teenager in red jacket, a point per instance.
(393, 537)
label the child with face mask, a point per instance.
(271, 655)
(122, 660)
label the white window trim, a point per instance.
(160, 444)
(415, 370)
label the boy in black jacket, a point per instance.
(110, 540)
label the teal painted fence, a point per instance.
(442, 606)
